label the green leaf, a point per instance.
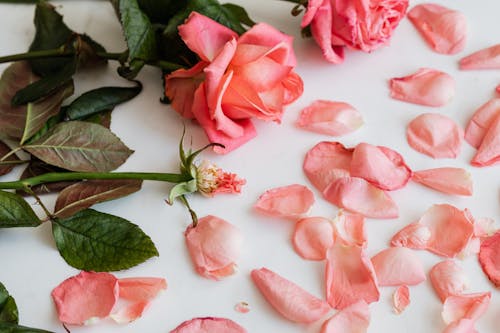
(99, 100)
(88, 50)
(6, 168)
(8, 307)
(14, 328)
(160, 11)
(16, 212)
(103, 119)
(95, 241)
(182, 189)
(240, 13)
(84, 194)
(80, 146)
(36, 168)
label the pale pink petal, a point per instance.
(330, 118)
(448, 279)
(401, 299)
(242, 307)
(358, 196)
(350, 229)
(353, 319)
(312, 237)
(414, 236)
(321, 29)
(396, 266)
(290, 300)
(447, 180)
(472, 248)
(434, 135)
(293, 86)
(214, 246)
(290, 201)
(461, 326)
(381, 166)
(85, 296)
(488, 58)
(444, 29)
(470, 306)
(141, 289)
(481, 121)
(129, 313)
(209, 325)
(489, 151)
(426, 87)
(484, 227)
(349, 276)
(489, 258)
(327, 162)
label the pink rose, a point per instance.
(237, 79)
(359, 24)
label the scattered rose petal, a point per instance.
(489, 258)
(290, 201)
(434, 135)
(327, 162)
(426, 87)
(350, 229)
(209, 325)
(447, 180)
(214, 246)
(461, 326)
(481, 121)
(141, 289)
(352, 319)
(358, 196)
(401, 299)
(381, 166)
(448, 279)
(330, 118)
(489, 150)
(290, 300)
(349, 276)
(396, 266)
(312, 237)
(444, 29)
(484, 227)
(242, 307)
(472, 248)
(488, 58)
(470, 306)
(129, 313)
(414, 236)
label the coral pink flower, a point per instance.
(427, 86)
(396, 266)
(211, 180)
(290, 300)
(401, 298)
(447, 180)
(448, 279)
(353, 319)
(236, 80)
(359, 24)
(290, 201)
(488, 58)
(414, 236)
(489, 258)
(444, 29)
(209, 325)
(214, 246)
(312, 237)
(481, 121)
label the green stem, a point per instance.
(39, 201)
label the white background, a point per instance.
(30, 266)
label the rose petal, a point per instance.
(290, 201)
(448, 279)
(141, 289)
(352, 319)
(381, 166)
(214, 246)
(445, 30)
(85, 296)
(484, 227)
(488, 58)
(461, 326)
(327, 162)
(447, 180)
(471, 306)
(130, 312)
(349, 276)
(426, 87)
(312, 8)
(293, 88)
(312, 237)
(330, 118)
(489, 258)
(414, 236)
(472, 248)
(209, 325)
(350, 229)
(290, 300)
(401, 298)
(396, 266)
(434, 135)
(359, 196)
(242, 307)
(481, 121)
(489, 151)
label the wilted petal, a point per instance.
(426, 87)
(401, 299)
(350, 229)
(447, 180)
(434, 135)
(359, 196)
(330, 118)
(444, 29)
(488, 58)
(353, 319)
(489, 150)
(312, 237)
(481, 121)
(290, 201)
(141, 289)
(489, 258)
(470, 306)
(414, 236)
(209, 325)
(448, 279)
(290, 300)
(396, 266)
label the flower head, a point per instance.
(211, 179)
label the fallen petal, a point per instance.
(447, 180)
(488, 58)
(489, 150)
(350, 229)
(461, 326)
(352, 319)
(484, 227)
(129, 313)
(481, 121)
(209, 325)
(290, 201)
(489, 258)
(414, 236)
(396, 266)
(242, 307)
(401, 299)
(312, 237)
(290, 300)
(141, 289)
(448, 279)
(470, 306)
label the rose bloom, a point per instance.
(359, 24)
(236, 80)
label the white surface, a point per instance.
(30, 265)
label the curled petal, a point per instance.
(312, 237)
(489, 150)
(488, 58)
(401, 299)
(481, 121)
(445, 30)
(434, 135)
(448, 279)
(312, 8)
(141, 289)
(290, 300)
(290, 201)
(414, 236)
(426, 87)
(130, 312)
(489, 258)
(470, 306)
(353, 319)
(396, 266)
(350, 229)
(209, 325)
(321, 29)
(358, 196)
(293, 86)
(447, 180)
(330, 118)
